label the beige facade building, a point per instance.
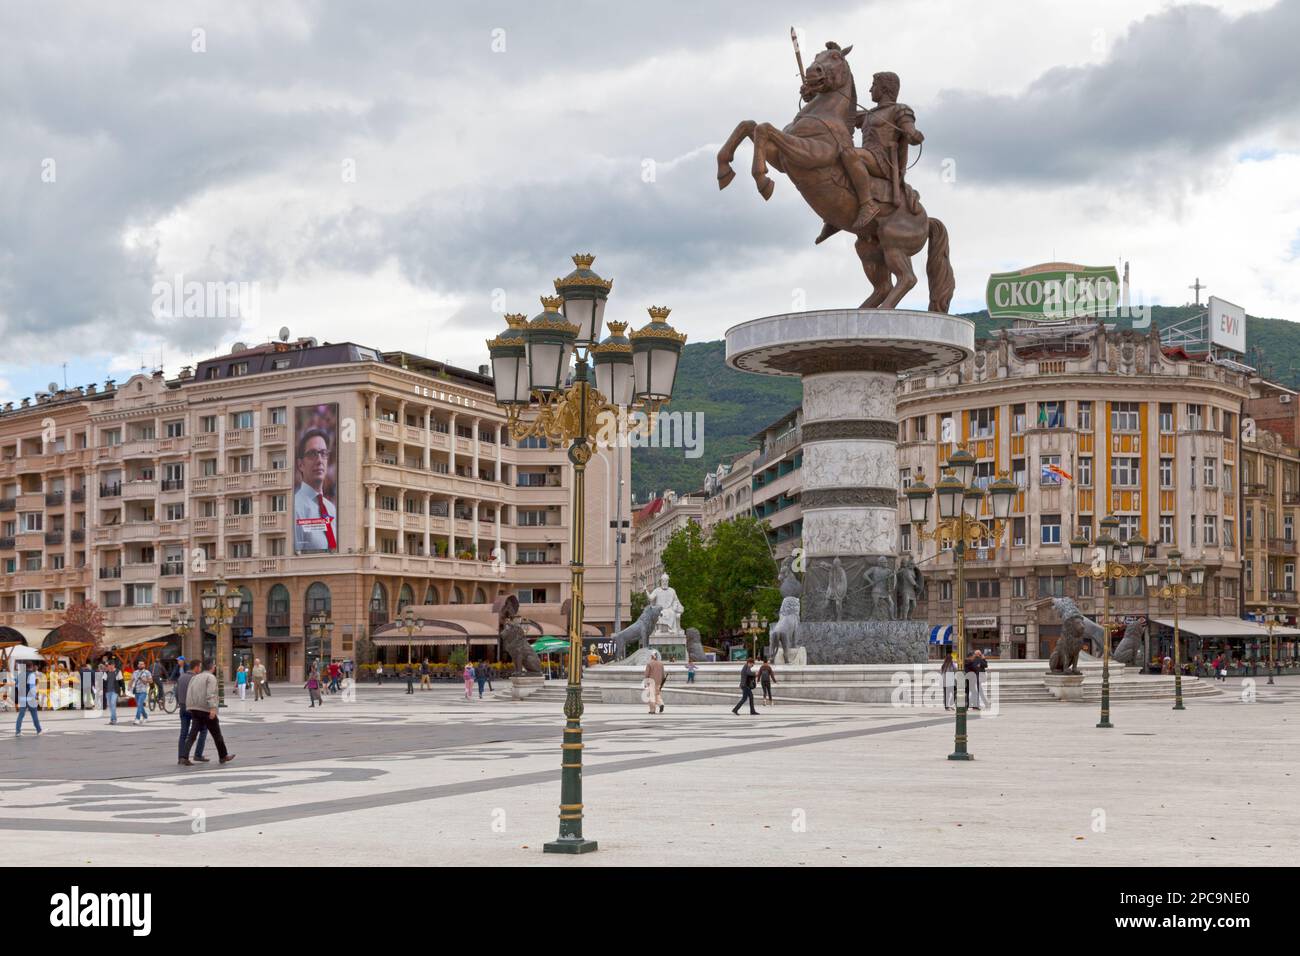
(776, 481)
(728, 492)
(652, 526)
(1089, 422)
(157, 488)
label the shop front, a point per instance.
(982, 634)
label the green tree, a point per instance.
(686, 561)
(743, 573)
(638, 603)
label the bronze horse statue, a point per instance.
(811, 152)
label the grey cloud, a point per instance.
(1180, 84)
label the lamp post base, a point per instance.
(571, 846)
(1105, 724)
(1178, 705)
(961, 755)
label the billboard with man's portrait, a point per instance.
(315, 479)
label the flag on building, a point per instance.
(1055, 473)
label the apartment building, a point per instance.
(1088, 421)
(652, 526)
(776, 481)
(161, 487)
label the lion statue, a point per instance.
(1076, 630)
(513, 640)
(1129, 650)
(639, 630)
(780, 636)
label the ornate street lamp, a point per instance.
(1104, 567)
(322, 628)
(510, 362)
(220, 605)
(1173, 589)
(753, 626)
(959, 522)
(182, 623)
(638, 370)
(1271, 622)
(410, 625)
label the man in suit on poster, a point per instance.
(315, 514)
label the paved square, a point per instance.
(430, 778)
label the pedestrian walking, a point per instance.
(425, 682)
(766, 677)
(971, 670)
(113, 687)
(313, 687)
(335, 673)
(28, 691)
(140, 681)
(481, 676)
(187, 721)
(408, 672)
(201, 702)
(241, 681)
(655, 676)
(981, 665)
(746, 688)
(948, 677)
(259, 680)
(347, 667)
(468, 675)
(690, 672)
(379, 674)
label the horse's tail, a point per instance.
(938, 268)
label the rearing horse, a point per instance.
(809, 150)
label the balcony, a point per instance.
(241, 481)
(108, 534)
(1255, 491)
(171, 569)
(140, 488)
(8, 504)
(1291, 497)
(54, 537)
(54, 499)
(113, 571)
(274, 478)
(171, 529)
(30, 501)
(271, 522)
(204, 526)
(239, 524)
(140, 448)
(79, 496)
(139, 572)
(384, 429)
(204, 486)
(1282, 597)
(6, 544)
(78, 535)
(275, 434)
(139, 614)
(113, 490)
(204, 441)
(239, 437)
(140, 531)
(30, 540)
(1282, 545)
(172, 484)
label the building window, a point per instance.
(1018, 532)
(1250, 524)
(1229, 535)
(1085, 587)
(905, 538)
(1083, 474)
(1192, 529)
(1085, 527)
(1018, 472)
(1018, 419)
(1017, 587)
(240, 420)
(1166, 472)
(30, 600)
(276, 547)
(1211, 529)
(208, 424)
(241, 549)
(945, 590)
(279, 416)
(1166, 417)
(174, 512)
(905, 478)
(239, 506)
(1195, 417)
(1288, 528)
(175, 429)
(1051, 414)
(983, 588)
(1049, 469)
(173, 596)
(241, 463)
(982, 421)
(1211, 471)
(1050, 529)
(1129, 526)
(1084, 416)
(1288, 576)
(1052, 585)
(1125, 472)
(918, 427)
(207, 467)
(1130, 587)
(1124, 416)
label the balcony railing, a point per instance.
(1282, 597)
(78, 535)
(1254, 490)
(173, 484)
(171, 569)
(54, 499)
(112, 571)
(1291, 497)
(111, 491)
(78, 496)
(1284, 545)
(6, 544)
(54, 537)
(7, 504)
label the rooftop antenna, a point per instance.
(65, 375)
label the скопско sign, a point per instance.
(1053, 291)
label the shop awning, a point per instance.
(1225, 627)
(117, 638)
(941, 634)
(549, 645)
(34, 636)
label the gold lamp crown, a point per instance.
(552, 303)
(516, 320)
(616, 328)
(583, 260)
(659, 313)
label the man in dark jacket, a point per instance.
(182, 686)
(746, 688)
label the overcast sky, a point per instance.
(398, 172)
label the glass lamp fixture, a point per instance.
(1003, 494)
(656, 350)
(612, 360)
(1137, 549)
(949, 491)
(1174, 573)
(584, 294)
(1079, 549)
(1152, 575)
(510, 361)
(1197, 575)
(970, 501)
(918, 501)
(962, 463)
(549, 345)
